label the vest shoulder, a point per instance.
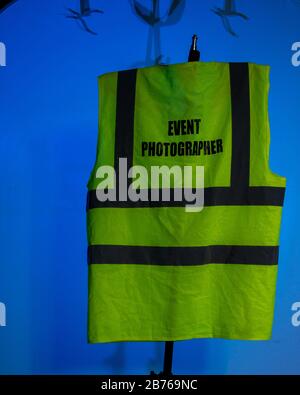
(211, 65)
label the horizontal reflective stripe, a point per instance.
(183, 256)
(213, 196)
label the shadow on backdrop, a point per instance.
(85, 11)
(156, 362)
(156, 20)
(229, 10)
(116, 362)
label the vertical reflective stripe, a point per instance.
(240, 118)
(126, 87)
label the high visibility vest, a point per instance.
(157, 272)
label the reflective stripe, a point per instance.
(125, 116)
(183, 256)
(214, 196)
(240, 119)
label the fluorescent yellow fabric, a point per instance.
(151, 300)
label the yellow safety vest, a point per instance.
(156, 271)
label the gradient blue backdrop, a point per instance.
(48, 133)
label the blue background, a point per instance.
(48, 134)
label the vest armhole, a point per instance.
(276, 177)
(92, 172)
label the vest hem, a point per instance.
(178, 338)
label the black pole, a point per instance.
(168, 359)
(194, 56)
